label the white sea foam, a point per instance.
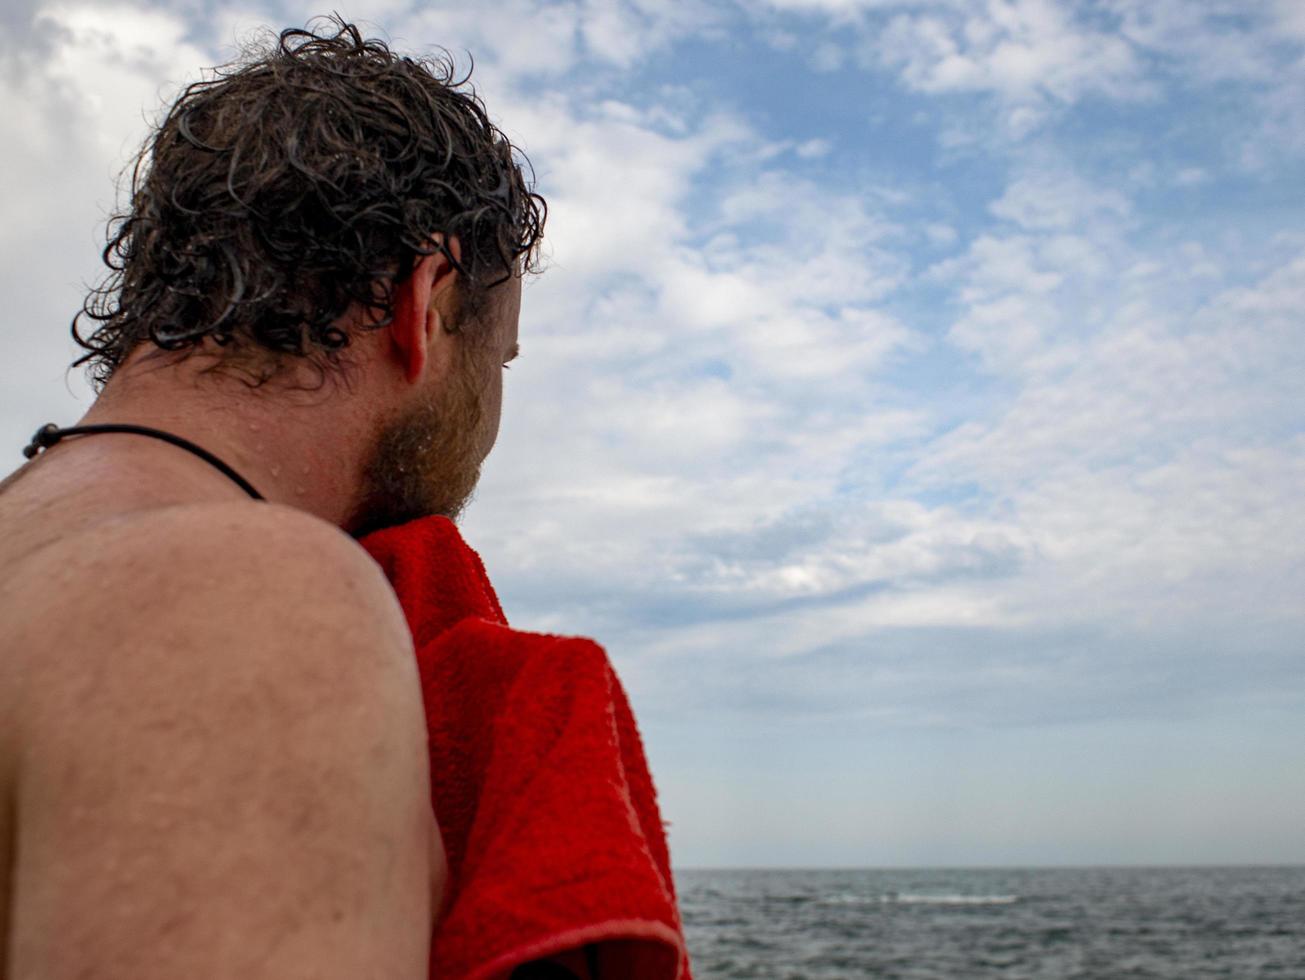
(955, 899)
(911, 899)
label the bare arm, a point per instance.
(226, 775)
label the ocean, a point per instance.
(996, 924)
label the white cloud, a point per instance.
(1137, 451)
(1191, 177)
(812, 149)
(827, 57)
(1038, 58)
(1257, 46)
(119, 66)
(1029, 53)
(1027, 293)
(1288, 19)
(1053, 199)
(509, 41)
(841, 10)
(1220, 40)
(519, 39)
(940, 234)
(616, 180)
(626, 31)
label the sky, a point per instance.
(911, 403)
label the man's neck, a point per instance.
(300, 447)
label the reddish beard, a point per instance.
(427, 461)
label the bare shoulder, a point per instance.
(262, 549)
(222, 764)
(220, 570)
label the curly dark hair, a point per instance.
(305, 177)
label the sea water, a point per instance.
(996, 924)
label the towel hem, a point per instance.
(624, 929)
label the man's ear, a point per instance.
(423, 309)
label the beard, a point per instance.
(427, 461)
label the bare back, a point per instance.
(125, 752)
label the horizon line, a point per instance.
(1214, 865)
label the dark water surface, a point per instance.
(1080, 923)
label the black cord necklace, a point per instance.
(47, 435)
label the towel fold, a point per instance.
(538, 781)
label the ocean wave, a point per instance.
(911, 899)
(957, 899)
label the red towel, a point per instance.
(538, 781)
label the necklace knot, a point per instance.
(45, 437)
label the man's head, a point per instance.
(427, 459)
(281, 209)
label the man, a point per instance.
(212, 748)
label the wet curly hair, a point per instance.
(306, 177)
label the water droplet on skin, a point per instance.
(276, 471)
(301, 490)
(254, 427)
(305, 469)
